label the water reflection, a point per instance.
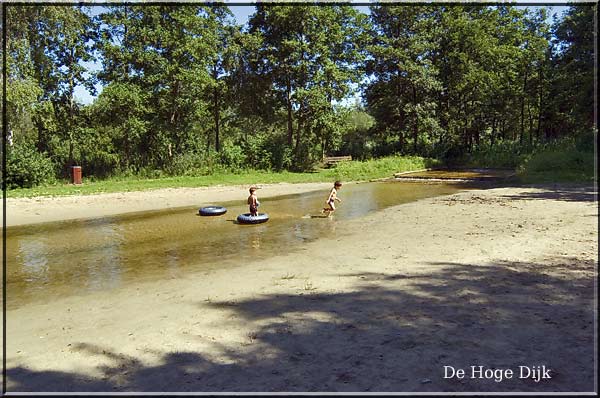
(57, 259)
(33, 255)
(255, 237)
(104, 265)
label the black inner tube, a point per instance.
(246, 218)
(212, 211)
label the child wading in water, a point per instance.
(253, 202)
(332, 198)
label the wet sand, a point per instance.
(499, 278)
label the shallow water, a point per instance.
(52, 260)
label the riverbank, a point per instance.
(348, 170)
(501, 278)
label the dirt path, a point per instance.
(498, 278)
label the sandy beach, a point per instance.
(502, 278)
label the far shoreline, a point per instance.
(38, 210)
(44, 209)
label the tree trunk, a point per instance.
(477, 131)
(523, 108)
(530, 123)
(125, 43)
(540, 104)
(493, 134)
(298, 131)
(126, 138)
(217, 122)
(175, 94)
(465, 130)
(173, 119)
(290, 127)
(416, 122)
(41, 142)
(71, 108)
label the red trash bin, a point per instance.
(76, 174)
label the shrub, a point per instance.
(150, 173)
(501, 155)
(232, 157)
(561, 160)
(27, 168)
(281, 155)
(257, 155)
(100, 164)
(555, 160)
(584, 142)
(189, 163)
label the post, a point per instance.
(76, 175)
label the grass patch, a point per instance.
(381, 168)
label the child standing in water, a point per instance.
(253, 202)
(332, 198)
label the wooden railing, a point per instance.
(333, 160)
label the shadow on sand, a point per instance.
(392, 332)
(566, 193)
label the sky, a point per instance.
(241, 14)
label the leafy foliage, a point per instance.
(26, 167)
(562, 160)
(186, 91)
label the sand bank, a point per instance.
(499, 278)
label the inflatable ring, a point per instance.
(246, 218)
(212, 211)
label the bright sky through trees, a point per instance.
(241, 13)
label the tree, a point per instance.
(455, 77)
(405, 82)
(46, 47)
(221, 23)
(311, 54)
(572, 107)
(170, 54)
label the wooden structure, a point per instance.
(333, 160)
